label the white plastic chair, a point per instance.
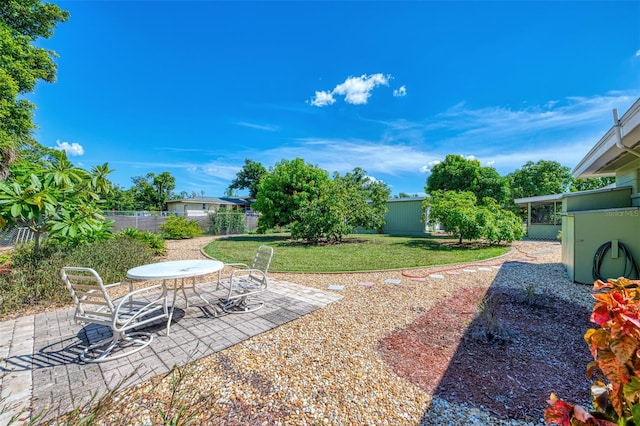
(94, 305)
(246, 282)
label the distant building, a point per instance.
(202, 206)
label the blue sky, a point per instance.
(196, 87)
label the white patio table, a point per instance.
(178, 271)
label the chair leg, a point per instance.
(240, 305)
(137, 341)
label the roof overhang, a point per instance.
(547, 199)
(539, 199)
(607, 156)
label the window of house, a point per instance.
(545, 214)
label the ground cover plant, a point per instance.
(360, 252)
(34, 277)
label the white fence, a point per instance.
(144, 221)
(13, 236)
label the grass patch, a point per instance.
(357, 253)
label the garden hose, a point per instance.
(629, 262)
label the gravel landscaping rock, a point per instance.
(326, 367)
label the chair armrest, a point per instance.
(240, 274)
(143, 310)
(237, 265)
(117, 284)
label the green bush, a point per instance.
(320, 218)
(151, 240)
(34, 278)
(178, 227)
(224, 223)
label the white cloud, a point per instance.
(563, 130)
(343, 155)
(322, 98)
(70, 148)
(258, 126)
(402, 91)
(429, 166)
(637, 52)
(356, 90)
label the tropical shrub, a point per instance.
(52, 197)
(615, 347)
(178, 227)
(153, 241)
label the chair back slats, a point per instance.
(263, 258)
(88, 292)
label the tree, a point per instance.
(22, 65)
(185, 195)
(588, 184)
(457, 173)
(249, 177)
(119, 199)
(491, 185)
(367, 199)
(501, 225)
(284, 189)
(541, 178)
(348, 201)
(324, 216)
(151, 192)
(456, 211)
(56, 198)
(459, 213)
(164, 184)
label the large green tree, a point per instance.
(348, 201)
(282, 191)
(457, 173)
(541, 178)
(119, 199)
(456, 211)
(323, 217)
(22, 65)
(249, 177)
(367, 199)
(461, 215)
(151, 192)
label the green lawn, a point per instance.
(358, 252)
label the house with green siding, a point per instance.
(601, 229)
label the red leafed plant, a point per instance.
(615, 347)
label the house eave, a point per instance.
(606, 157)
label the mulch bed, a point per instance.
(508, 366)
